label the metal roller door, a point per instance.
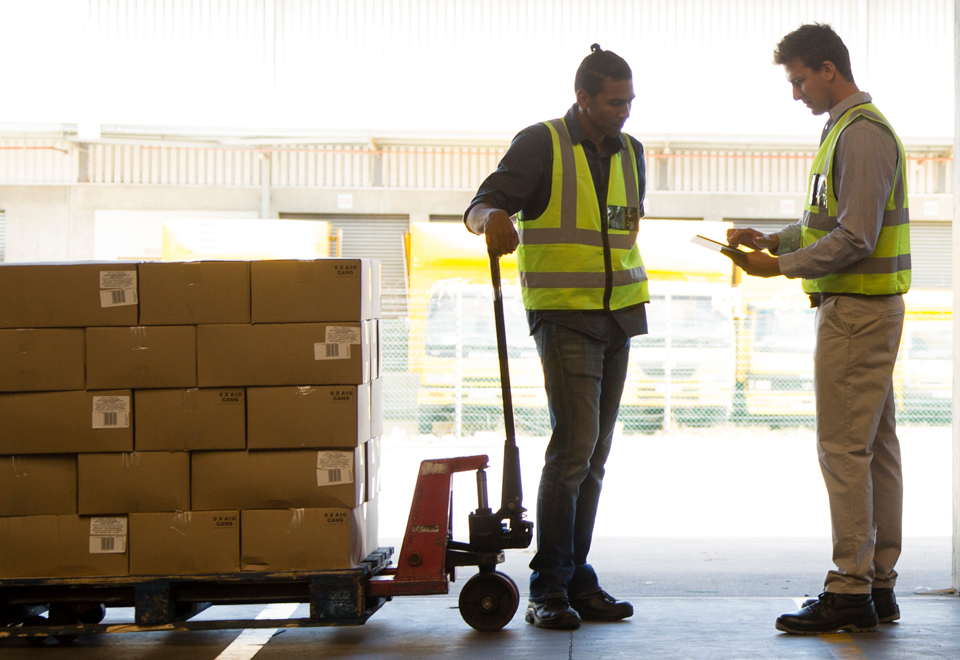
(376, 237)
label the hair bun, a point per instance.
(595, 48)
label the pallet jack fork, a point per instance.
(429, 555)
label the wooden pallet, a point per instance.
(169, 602)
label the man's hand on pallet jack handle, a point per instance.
(495, 225)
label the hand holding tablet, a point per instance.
(723, 248)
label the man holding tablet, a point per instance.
(852, 250)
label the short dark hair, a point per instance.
(814, 44)
(598, 66)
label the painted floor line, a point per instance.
(251, 640)
(843, 647)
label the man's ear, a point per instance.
(582, 98)
(829, 71)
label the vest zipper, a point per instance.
(607, 261)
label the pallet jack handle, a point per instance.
(511, 498)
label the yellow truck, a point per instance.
(775, 353)
(683, 369)
(924, 376)
(685, 366)
(453, 343)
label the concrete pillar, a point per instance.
(956, 296)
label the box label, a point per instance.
(342, 334)
(334, 467)
(346, 270)
(226, 522)
(322, 351)
(335, 518)
(231, 396)
(118, 288)
(118, 297)
(111, 412)
(108, 545)
(108, 535)
(341, 396)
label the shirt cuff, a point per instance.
(788, 265)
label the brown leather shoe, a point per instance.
(601, 606)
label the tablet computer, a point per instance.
(716, 245)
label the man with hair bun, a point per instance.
(852, 250)
(576, 185)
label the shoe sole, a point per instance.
(850, 627)
(614, 617)
(890, 618)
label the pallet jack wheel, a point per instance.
(90, 614)
(35, 620)
(488, 601)
(62, 614)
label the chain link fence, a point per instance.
(713, 356)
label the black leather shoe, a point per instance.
(601, 606)
(883, 600)
(832, 612)
(553, 613)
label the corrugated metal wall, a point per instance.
(38, 161)
(413, 166)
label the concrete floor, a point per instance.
(694, 598)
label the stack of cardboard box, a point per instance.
(188, 418)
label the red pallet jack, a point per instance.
(429, 555)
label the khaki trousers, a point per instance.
(857, 342)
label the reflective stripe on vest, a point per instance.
(562, 257)
(887, 269)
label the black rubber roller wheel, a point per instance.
(488, 601)
(90, 613)
(35, 620)
(62, 614)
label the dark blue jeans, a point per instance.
(584, 381)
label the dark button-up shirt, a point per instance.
(522, 183)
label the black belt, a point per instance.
(816, 299)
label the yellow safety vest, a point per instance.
(570, 258)
(887, 269)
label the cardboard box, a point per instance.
(38, 485)
(277, 479)
(373, 336)
(376, 407)
(301, 539)
(66, 422)
(308, 417)
(190, 419)
(371, 459)
(185, 543)
(371, 518)
(68, 295)
(63, 546)
(39, 360)
(134, 482)
(314, 290)
(142, 357)
(234, 355)
(190, 293)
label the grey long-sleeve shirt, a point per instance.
(864, 170)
